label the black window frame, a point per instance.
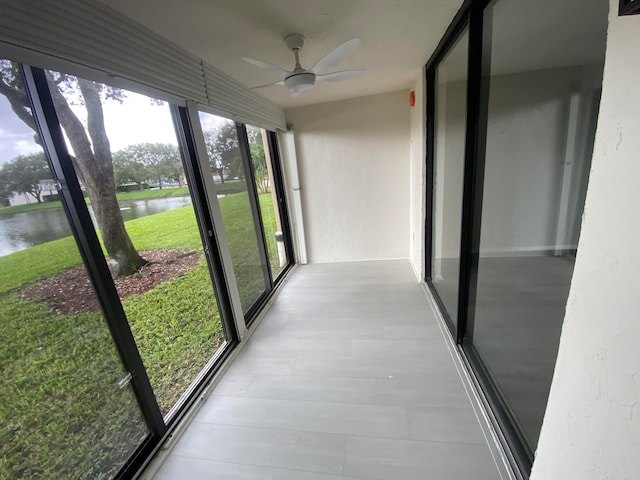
(254, 201)
(455, 31)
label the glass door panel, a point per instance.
(541, 117)
(229, 174)
(128, 162)
(262, 165)
(448, 172)
(67, 410)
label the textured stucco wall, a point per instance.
(591, 429)
(353, 164)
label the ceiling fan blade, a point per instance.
(337, 55)
(340, 76)
(280, 82)
(267, 66)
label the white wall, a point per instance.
(591, 429)
(353, 163)
(417, 178)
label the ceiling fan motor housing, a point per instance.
(299, 82)
(295, 41)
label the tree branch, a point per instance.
(21, 106)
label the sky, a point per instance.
(15, 137)
(136, 120)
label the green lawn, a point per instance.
(63, 414)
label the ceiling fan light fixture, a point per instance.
(301, 79)
(300, 82)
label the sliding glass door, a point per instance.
(449, 113)
(233, 186)
(67, 406)
(265, 168)
(540, 128)
(534, 78)
(129, 163)
(242, 162)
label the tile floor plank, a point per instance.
(267, 447)
(308, 416)
(370, 391)
(377, 458)
(183, 468)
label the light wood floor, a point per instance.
(346, 377)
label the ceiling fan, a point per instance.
(300, 79)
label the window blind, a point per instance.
(93, 35)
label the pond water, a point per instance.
(19, 231)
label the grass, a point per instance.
(155, 193)
(63, 414)
(30, 207)
(243, 244)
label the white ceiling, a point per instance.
(397, 37)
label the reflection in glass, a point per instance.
(449, 141)
(63, 414)
(542, 110)
(227, 169)
(262, 164)
(129, 164)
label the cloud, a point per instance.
(26, 147)
(9, 135)
(211, 122)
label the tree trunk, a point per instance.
(96, 169)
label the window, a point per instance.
(262, 163)
(223, 141)
(67, 408)
(130, 167)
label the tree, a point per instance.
(5, 191)
(223, 150)
(258, 159)
(215, 157)
(92, 160)
(23, 174)
(173, 165)
(159, 160)
(128, 170)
